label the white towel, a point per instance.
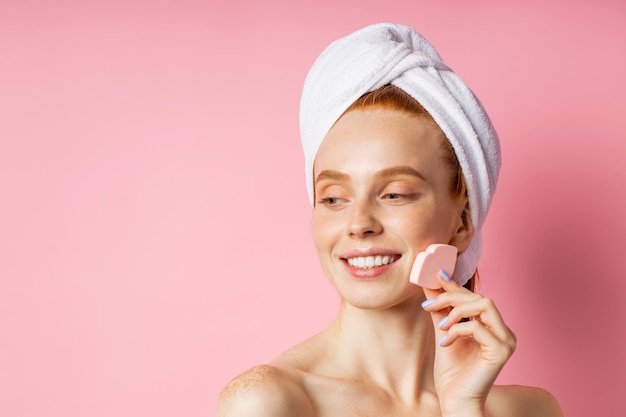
(387, 53)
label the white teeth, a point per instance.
(371, 261)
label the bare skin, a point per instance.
(395, 349)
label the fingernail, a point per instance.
(443, 339)
(428, 302)
(442, 322)
(444, 275)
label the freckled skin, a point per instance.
(254, 378)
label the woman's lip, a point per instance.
(360, 253)
(373, 272)
(367, 273)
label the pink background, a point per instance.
(154, 225)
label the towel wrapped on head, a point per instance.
(386, 53)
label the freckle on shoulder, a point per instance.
(263, 390)
(251, 379)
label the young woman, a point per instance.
(399, 155)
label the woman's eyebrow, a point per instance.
(330, 174)
(400, 170)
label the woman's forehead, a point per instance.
(380, 136)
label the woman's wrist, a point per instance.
(464, 413)
(463, 410)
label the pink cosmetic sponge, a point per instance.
(428, 263)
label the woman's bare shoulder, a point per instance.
(264, 390)
(522, 401)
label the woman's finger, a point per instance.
(482, 309)
(460, 303)
(492, 348)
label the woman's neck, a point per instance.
(392, 348)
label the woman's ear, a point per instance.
(464, 230)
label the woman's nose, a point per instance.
(364, 221)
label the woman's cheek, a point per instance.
(322, 226)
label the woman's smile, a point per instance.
(368, 262)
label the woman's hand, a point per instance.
(469, 354)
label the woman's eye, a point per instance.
(399, 197)
(329, 201)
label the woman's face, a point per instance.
(381, 196)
